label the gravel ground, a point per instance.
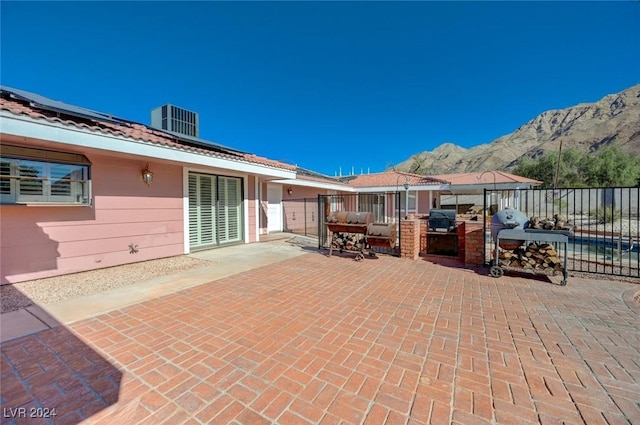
(45, 291)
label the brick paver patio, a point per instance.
(328, 340)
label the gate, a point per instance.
(300, 216)
(605, 223)
(384, 206)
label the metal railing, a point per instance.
(605, 224)
(300, 216)
(384, 206)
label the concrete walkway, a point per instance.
(227, 261)
(318, 340)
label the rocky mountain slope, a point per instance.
(614, 120)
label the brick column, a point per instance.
(473, 243)
(410, 239)
(424, 224)
(461, 226)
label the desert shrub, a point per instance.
(605, 215)
(561, 205)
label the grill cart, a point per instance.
(356, 232)
(526, 249)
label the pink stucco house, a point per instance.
(84, 190)
(81, 190)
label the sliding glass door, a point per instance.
(215, 210)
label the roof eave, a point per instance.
(42, 129)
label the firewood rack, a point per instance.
(530, 235)
(362, 233)
(347, 224)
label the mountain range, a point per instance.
(614, 120)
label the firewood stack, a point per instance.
(559, 222)
(539, 257)
(348, 241)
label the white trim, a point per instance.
(256, 190)
(277, 228)
(400, 188)
(467, 189)
(245, 206)
(185, 209)
(261, 194)
(23, 126)
(319, 185)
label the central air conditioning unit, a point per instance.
(177, 120)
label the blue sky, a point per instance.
(326, 85)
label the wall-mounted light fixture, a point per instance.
(290, 191)
(147, 175)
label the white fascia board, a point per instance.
(474, 188)
(23, 126)
(311, 183)
(465, 189)
(400, 188)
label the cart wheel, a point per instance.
(359, 257)
(496, 271)
(556, 273)
(372, 254)
(563, 282)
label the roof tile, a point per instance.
(485, 177)
(393, 178)
(139, 132)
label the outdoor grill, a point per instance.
(442, 220)
(508, 218)
(510, 232)
(356, 231)
(442, 235)
(382, 235)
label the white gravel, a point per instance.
(49, 290)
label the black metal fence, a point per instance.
(301, 216)
(384, 206)
(605, 224)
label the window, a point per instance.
(34, 176)
(412, 200)
(375, 203)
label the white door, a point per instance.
(274, 208)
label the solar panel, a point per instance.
(57, 106)
(195, 141)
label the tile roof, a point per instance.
(134, 131)
(392, 178)
(484, 178)
(304, 174)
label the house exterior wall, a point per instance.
(44, 241)
(301, 192)
(252, 218)
(424, 202)
(300, 209)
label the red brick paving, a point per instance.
(322, 340)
